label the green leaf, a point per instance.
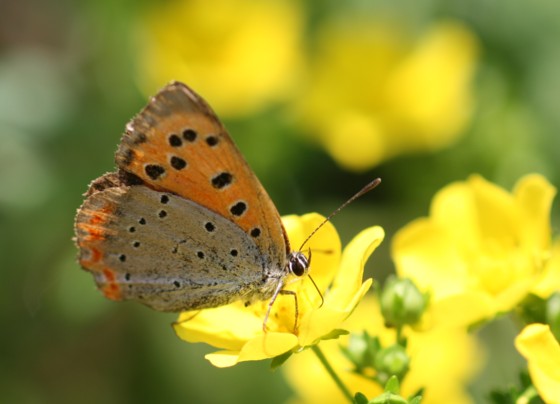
(418, 395)
(359, 398)
(334, 334)
(393, 385)
(525, 393)
(389, 398)
(279, 360)
(415, 400)
(532, 309)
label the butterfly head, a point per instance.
(298, 263)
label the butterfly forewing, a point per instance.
(178, 144)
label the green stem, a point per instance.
(528, 395)
(332, 373)
(400, 339)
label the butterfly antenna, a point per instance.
(361, 192)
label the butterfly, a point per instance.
(183, 223)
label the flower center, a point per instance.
(498, 267)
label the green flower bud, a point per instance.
(361, 350)
(401, 302)
(391, 361)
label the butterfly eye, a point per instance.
(298, 264)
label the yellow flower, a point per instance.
(240, 54)
(542, 351)
(481, 250)
(374, 93)
(237, 330)
(442, 361)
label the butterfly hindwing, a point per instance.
(166, 251)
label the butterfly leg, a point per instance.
(291, 292)
(280, 291)
(271, 302)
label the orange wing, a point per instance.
(178, 144)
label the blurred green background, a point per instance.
(73, 73)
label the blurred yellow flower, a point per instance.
(241, 54)
(237, 329)
(542, 351)
(374, 94)
(442, 362)
(481, 250)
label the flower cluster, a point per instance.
(484, 252)
(241, 54)
(481, 252)
(375, 85)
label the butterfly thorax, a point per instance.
(297, 266)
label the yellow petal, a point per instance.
(497, 216)
(476, 210)
(454, 210)
(349, 278)
(534, 195)
(227, 327)
(267, 345)
(426, 253)
(223, 359)
(461, 309)
(550, 279)
(547, 386)
(264, 346)
(318, 323)
(542, 351)
(347, 288)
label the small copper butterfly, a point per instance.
(184, 223)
